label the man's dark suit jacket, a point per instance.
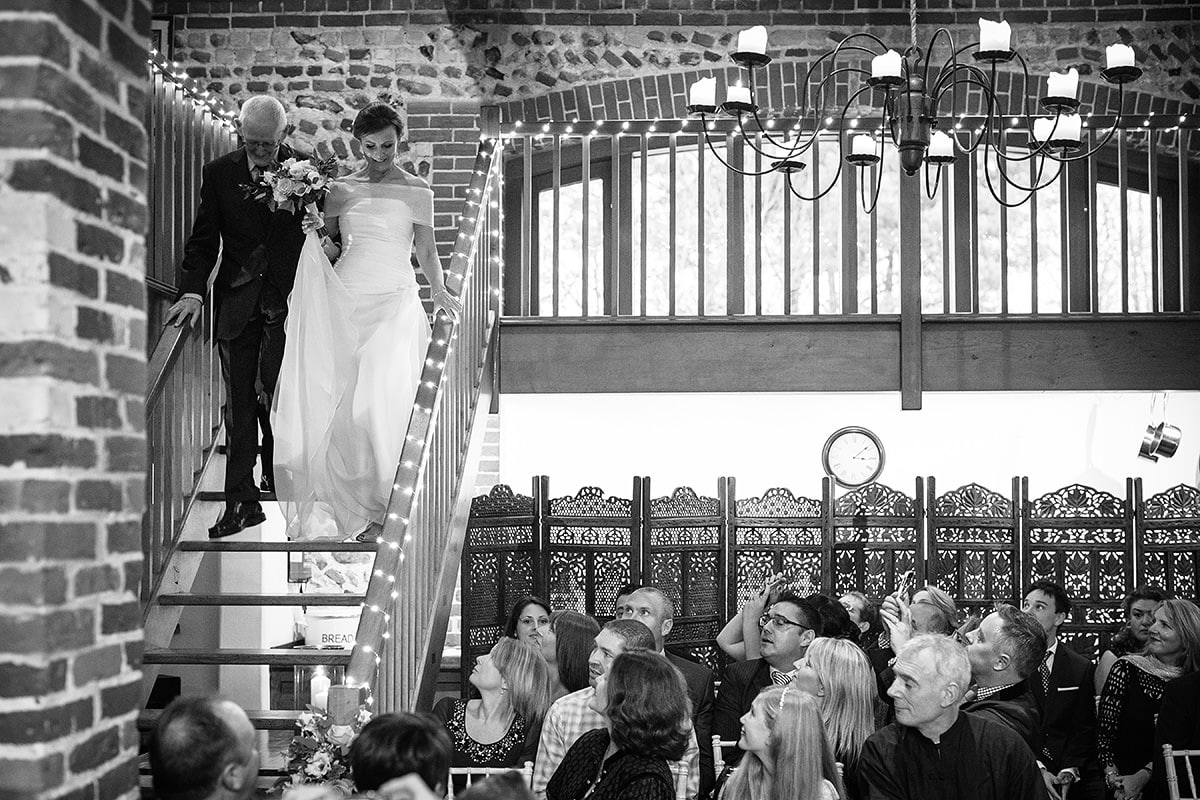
(255, 244)
(743, 681)
(1068, 713)
(1015, 708)
(1178, 725)
(699, 679)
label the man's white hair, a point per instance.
(263, 109)
(949, 657)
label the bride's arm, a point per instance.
(431, 265)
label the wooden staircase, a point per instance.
(438, 468)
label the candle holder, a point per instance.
(691, 109)
(1121, 75)
(736, 107)
(994, 56)
(935, 159)
(750, 59)
(788, 166)
(885, 81)
(1060, 105)
(862, 159)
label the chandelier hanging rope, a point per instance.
(911, 106)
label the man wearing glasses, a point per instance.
(258, 250)
(788, 627)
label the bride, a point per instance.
(355, 341)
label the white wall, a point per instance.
(768, 440)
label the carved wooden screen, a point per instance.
(588, 547)
(877, 534)
(973, 541)
(1082, 539)
(681, 554)
(499, 567)
(1168, 540)
(776, 533)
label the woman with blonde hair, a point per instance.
(502, 727)
(788, 756)
(838, 674)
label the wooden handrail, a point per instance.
(402, 624)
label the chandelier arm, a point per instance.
(878, 170)
(837, 174)
(990, 118)
(1103, 141)
(929, 52)
(831, 55)
(725, 163)
(792, 150)
(937, 171)
(1028, 190)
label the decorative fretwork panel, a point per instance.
(1082, 539)
(778, 532)
(973, 545)
(877, 537)
(1168, 540)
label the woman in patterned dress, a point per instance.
(502, 727)
(1132, 694)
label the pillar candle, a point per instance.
(703, 92)
(994, 37)
(863, 144)
(753, 40)
(1063, 84)
(318, 689)
(1119, 55)
(940, 145)
(738, 94)
(886, 65)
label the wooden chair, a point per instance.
(479, 773)
(680, 771)
(1191, 769)
(718, 746)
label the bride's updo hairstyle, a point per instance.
(374, 118)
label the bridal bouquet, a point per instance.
(294, 184)
(319, 752)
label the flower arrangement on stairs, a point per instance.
(319, 752)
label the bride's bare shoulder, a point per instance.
(406, 178)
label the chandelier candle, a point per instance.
(753, 40)
(1063, 84)
(886, 66)
(994, 37)
(941, 147)
(1118, 55)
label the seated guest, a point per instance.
(934, 752)
(646, 711)
(566, 642)
(655, 610)
(836, 672)
(1133, 694)
(739, 639)
(1062, 686)
(573, 715)
(1006, 649)
(623, 599)
(204, 748)
(1178, 725)
(401, 747)
(1134, 634)
(931, 610)
(529, 614)
(788, 756)
(501, 728)
(864, 614)
(788, 627)
(835, 619)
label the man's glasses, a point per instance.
(257, 145)
(778, 622)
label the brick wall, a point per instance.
(72, 380)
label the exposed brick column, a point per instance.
(72, 383)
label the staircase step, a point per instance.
(220, 496)
(276, 657)
(309, 546)
(315, 599)
(262, 720)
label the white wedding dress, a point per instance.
(357, 335)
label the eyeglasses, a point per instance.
(257, 145)
(779, 623)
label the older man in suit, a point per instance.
(788, 627)
(258, 250)
(1063, 686)
(654, 609)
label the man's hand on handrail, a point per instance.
(184, 313)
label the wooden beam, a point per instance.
(910, 292)
(825, 354)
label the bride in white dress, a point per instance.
(356, 337)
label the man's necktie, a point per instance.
(781, 678)
(1044, 673)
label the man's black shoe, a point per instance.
(266, 485)
(236, 519)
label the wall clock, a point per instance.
(853, 457)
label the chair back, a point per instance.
(680, 771)
(1191, 767)
(718, 746)
(473, 774)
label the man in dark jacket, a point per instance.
(1063, 686)
(1005, 650)
(258, 251)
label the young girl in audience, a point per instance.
(526, 617)
(649, 718)
(566, 641)
(787, 753)
(502, 727)
(1139, 608)
(839, 676)
(1133, 692)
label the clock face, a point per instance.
(853, 457)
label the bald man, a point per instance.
(258, 250)
(204, 748)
